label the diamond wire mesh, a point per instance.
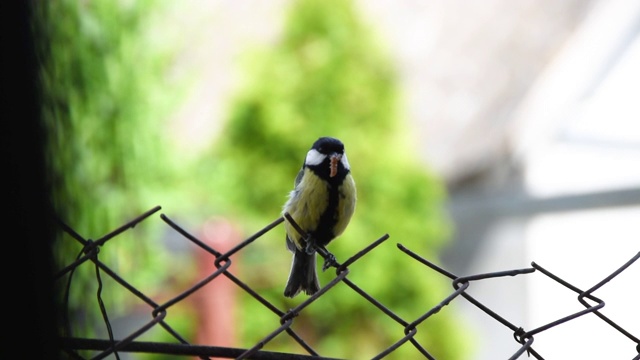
(106, 347)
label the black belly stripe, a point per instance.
(328, 219)
(324, 232)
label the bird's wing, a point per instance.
(290, 245)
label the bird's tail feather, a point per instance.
(303, 275)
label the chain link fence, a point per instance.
(106, 347)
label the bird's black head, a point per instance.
(328, 145)
(328, 159)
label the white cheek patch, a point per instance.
(345, 162)
(314, 157)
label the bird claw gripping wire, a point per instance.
(329, 261)
(311, 245)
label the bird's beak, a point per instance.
(335, 159)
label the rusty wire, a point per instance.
(90, 253)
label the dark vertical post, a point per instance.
(27, 235)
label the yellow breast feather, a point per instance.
(346, 204)
(306, 205)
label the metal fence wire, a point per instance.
(524, 337)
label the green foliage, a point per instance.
(105, 104)
(328, 76)
(102, 109)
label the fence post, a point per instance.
(216, 302)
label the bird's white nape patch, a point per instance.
(345, 162)
(314, 157)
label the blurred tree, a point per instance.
(328, 76)
(104, 106)
(103, 112)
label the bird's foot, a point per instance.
(311, 247)
(329, 261)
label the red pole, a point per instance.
(216, 302)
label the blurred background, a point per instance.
(482, 136)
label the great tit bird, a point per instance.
(321, 203)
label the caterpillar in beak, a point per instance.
(335, 158)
